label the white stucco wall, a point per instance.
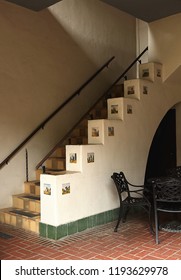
(45, 57)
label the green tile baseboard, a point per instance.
(61, 231)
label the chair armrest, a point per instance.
(139, 190)
(136, 186)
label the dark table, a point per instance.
(171, 222)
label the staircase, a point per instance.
(25, 210)
(121, 103)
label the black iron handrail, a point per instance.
(92, 107)
(42, 125)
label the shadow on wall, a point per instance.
(40, 67)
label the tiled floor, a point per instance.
(132, 242)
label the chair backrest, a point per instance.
(121, 183)
(167, 190)
(174, 172)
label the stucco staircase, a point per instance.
(56, 163)
(25, 210)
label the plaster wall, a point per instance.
(100, 30)
(142, 38)
(165, 43)
(45, 57)
(164, 47)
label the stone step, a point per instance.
(32, 187)
(98, 114)
(78, 140)
(27, 202)
(38, 172)
(55, 172)
(80, 132)
(57, 163)
(27, 220)
(117, 91)
(59, 152)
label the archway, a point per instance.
(162, 154)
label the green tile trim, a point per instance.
(61, 231)
(72, 227)
(101, 219)
(82, 224)
(43, 229)
(92, 221)
(52, 232)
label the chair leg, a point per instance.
(156, 227)
(150, 220)
(125, 213)
(119, 219)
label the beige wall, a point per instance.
(44, 58)
(165, 43)
(99, 30)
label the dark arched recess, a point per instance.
(162, 154)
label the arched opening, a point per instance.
(162, 154)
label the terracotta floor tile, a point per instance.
(132, 241)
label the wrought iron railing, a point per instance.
(92, 107)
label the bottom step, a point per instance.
(21, 218)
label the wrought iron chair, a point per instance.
(130, 196)
(166, 198)
(174, 172)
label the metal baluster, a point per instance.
(27, 165)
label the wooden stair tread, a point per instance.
(55, 171)
(35, 182)
(28, 196)
(58, 158)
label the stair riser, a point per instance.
(78, 141)
(26, 204)
(31, 188)
(55, 164)
(60, 152)
(79, 132)
(19, 221)
(38, 173)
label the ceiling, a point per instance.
(146, 10)
(35, 5)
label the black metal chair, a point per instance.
(174, 172)
(166, 198)
(130, 196)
